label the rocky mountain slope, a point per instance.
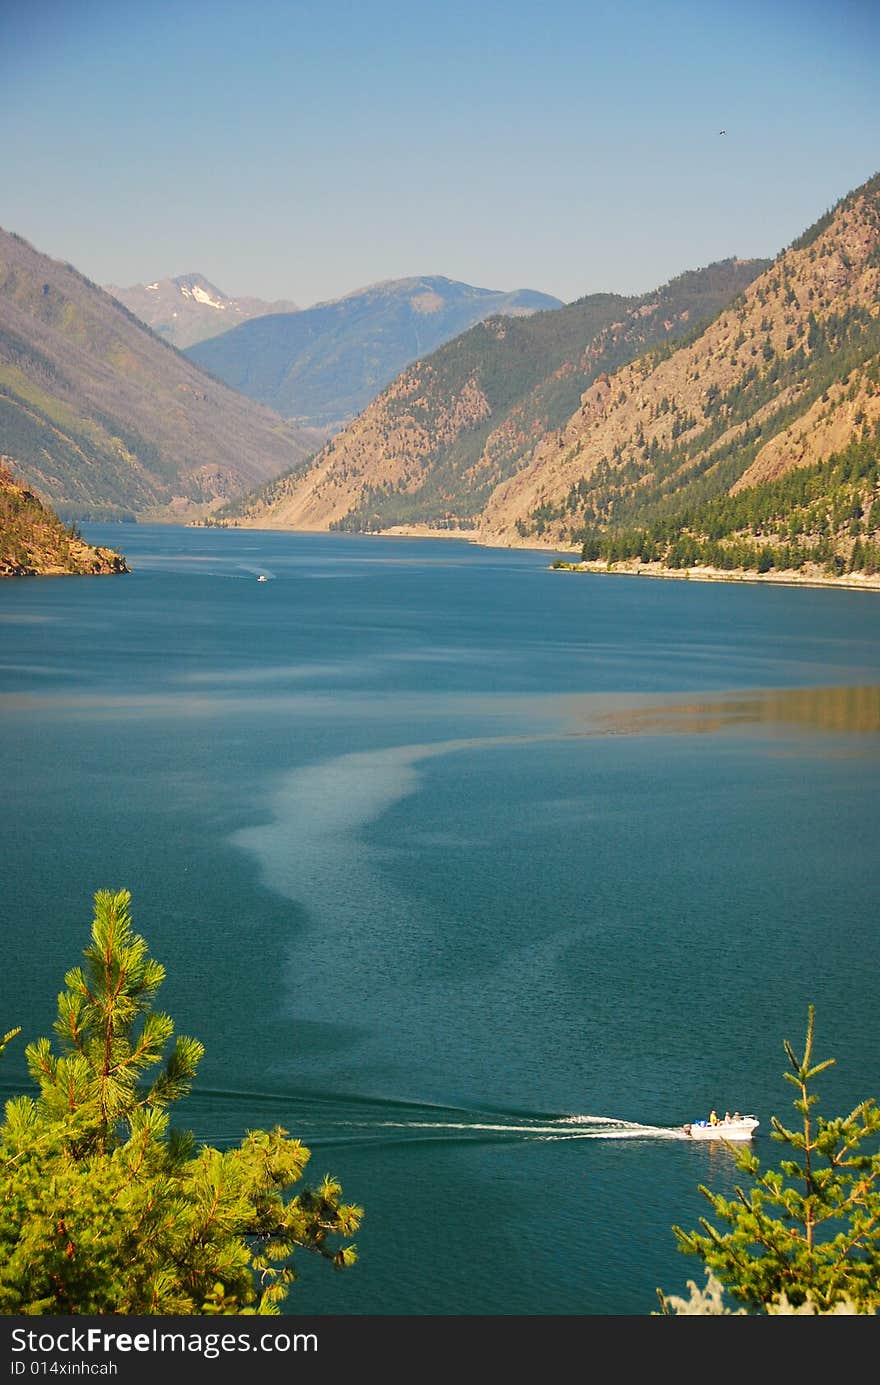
(101, 417)
(33, 540)
(189, 308)
(323, 365)
(699, 441)
(434, 445)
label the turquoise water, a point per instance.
(478, 877)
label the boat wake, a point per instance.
(322, 1121)
(608, 1128)
(563, 1128)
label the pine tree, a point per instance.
(106, 1209)
(809, 1231)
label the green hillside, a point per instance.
(103, 418)
(826, 515)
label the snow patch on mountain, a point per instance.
(201, 296)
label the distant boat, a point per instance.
(261, 578)
(736, 1128)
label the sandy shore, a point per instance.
(424, 531)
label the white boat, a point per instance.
(736, 1128)
(262, 578)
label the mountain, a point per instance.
(755, 443)
(33, 539)
(101, 417)
(190, 309)
(434, 445)
(323, 365)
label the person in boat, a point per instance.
(727, 1118)
(713, 1117)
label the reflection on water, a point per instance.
(821, 709)
(831, 710)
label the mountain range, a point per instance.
(323, 365)
(729, 419)
(190, 308)
(745, 437)
(432, 447)
(102, 418)
(700, 440)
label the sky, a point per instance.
(290, 149)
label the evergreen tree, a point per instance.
(103, 1207)
(809, 1231)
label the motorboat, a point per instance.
(735, 1128)
(262, 577)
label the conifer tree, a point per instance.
(809, 1231)
(104, 1208)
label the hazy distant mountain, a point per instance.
(323, 365)
(190, 309)
(99, 415)
(435, 443)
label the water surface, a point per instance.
(480, 878)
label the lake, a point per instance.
(478, 877)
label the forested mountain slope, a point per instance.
(432, 447)
(103, 418)
(698, 444)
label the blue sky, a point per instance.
(302, 150)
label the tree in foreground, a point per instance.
(104, 1208)
(806, 1236)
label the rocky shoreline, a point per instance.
(34, 542)
(850, 581)
(82, 561)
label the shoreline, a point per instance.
(566, 560)
(398, 531)
(850, 581)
